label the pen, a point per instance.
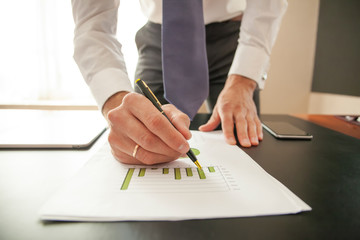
(150, 95)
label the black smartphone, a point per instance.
(285, 130)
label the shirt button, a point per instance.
(264, 77)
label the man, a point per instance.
(237, 69)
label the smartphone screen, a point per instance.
(285, 130)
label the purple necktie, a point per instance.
(185, 67)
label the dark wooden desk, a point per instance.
(324, 172)
(337, 123)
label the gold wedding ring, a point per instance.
(135, 150)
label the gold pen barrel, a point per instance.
(198, 164)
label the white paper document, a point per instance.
(230, 185)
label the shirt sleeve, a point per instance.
(97, 52)
(259, 28)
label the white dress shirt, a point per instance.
(101, 62)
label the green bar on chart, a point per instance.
(195, 151)
(177, 173)
(142, 172)
(189, 172)
(165, 171)
(201, 173)
(127, 179)
(211, 169)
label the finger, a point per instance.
(150, 142)
(259, 129)
(124, 158)
(120, 148)
(155, 122)
(142, 157)
(150, 158)
(137, 133)
(213, 122)
(252, 131)
(180, 120)
(228, 127)
(242, 131)
(129, 153)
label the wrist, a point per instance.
(113, 102)
(244, 82)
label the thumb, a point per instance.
(213, 122)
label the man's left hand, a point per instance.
(235, 107)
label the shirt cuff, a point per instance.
(251, 62)
(107, 82)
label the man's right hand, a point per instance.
(134, 120)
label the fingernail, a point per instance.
(254, 140)
(182, 148)
(231, 141)
(246, 143)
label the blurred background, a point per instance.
(314, 62)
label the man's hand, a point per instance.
(134, 120)
(235, 107)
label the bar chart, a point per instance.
(178, 179)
